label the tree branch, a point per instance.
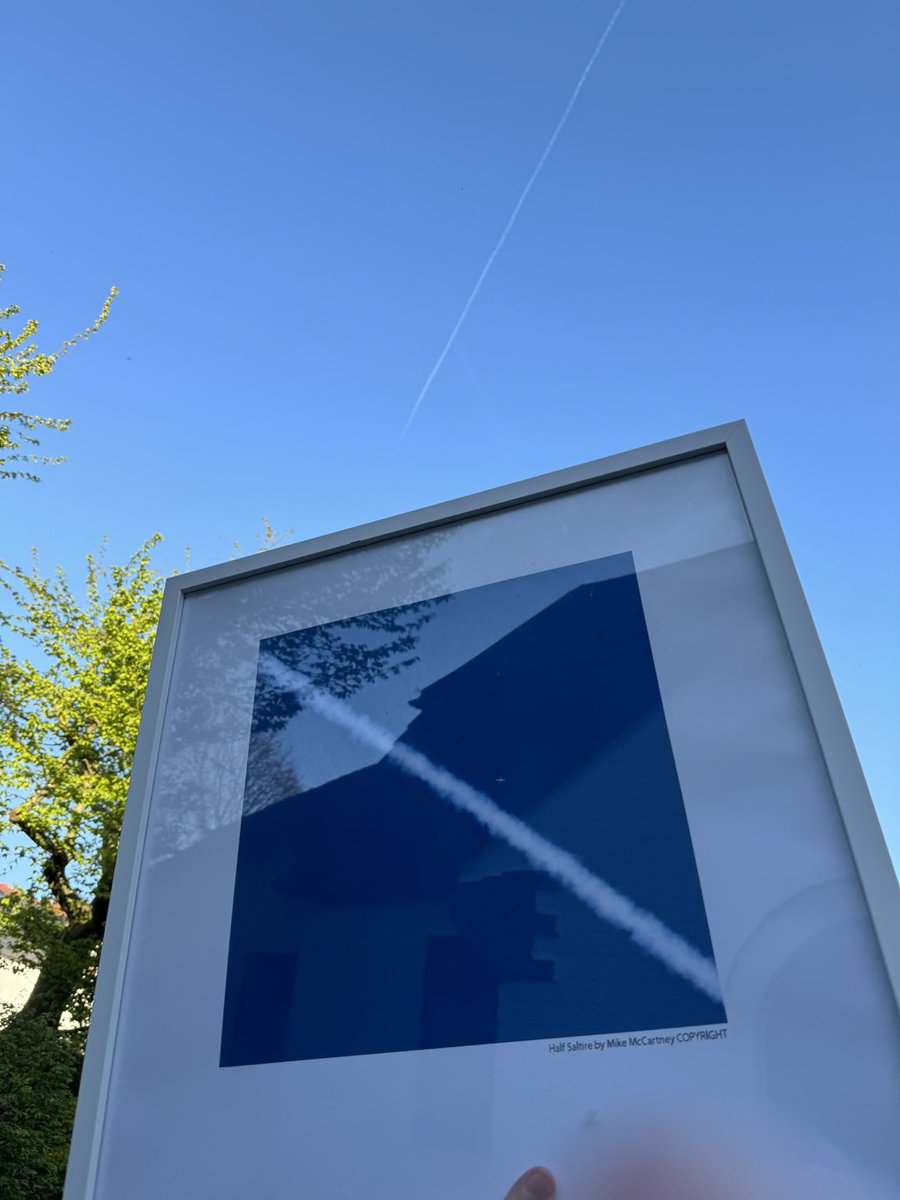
(100, 904)
(54, 869)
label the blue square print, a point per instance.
(463, 825)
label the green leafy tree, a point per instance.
(70, 703)
(21, 361)
(71, 709)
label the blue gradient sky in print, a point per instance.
(372, 915)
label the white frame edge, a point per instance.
(864, 834)
(851, 792)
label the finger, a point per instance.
(536, 1184)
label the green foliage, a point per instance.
(20, 362)
(38, 1073)
(71, 708)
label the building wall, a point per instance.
(15, 984)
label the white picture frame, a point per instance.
(731, 444)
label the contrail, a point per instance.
(603, 900)
(513, 216)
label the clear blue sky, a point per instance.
(297, 198)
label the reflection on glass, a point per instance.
(462, 825)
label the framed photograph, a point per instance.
(521, 829)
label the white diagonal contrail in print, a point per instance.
(601, 898)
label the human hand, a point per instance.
(654, 1176)
(536, 1184)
